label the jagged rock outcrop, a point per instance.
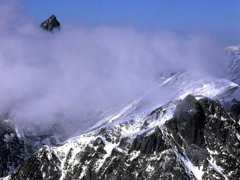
(12, 150)
(193, 136)
(43, 160)
(188, 122)
(205, 132)
(17, 143)
(147, 157)
(50, 24)
(147, 144)
(200, 141)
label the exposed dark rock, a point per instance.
(213, 126)
(188, 122)
(98, 142)
(201, 132)
(12, 150)
(43, 161)
(149, 143)
(50, 24)
(125, 143)
(17, 143)
(235, 110)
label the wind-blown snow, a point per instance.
(232, 49)
(155, 108)
(174, 88)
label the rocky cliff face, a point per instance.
(194, 134)
(12, 151)
(17, 143)
(233, 63)
(193, 137)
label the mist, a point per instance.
(78, 74)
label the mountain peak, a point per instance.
(50, 24)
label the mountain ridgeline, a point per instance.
(193, 135)
(200, 141)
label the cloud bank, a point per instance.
(73, 74)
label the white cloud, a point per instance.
(65, 76)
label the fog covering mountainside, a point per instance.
(115, 103)
(75, 76)
(195, 135)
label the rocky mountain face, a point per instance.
(17, 143)
(50, 24)
(194, 135)
(233, 63)
(12, 151)
(188, 127)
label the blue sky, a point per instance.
(219, 17)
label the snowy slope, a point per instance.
(176, 87)
(233, 63)
(166, 134)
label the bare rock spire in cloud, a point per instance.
(50, 24)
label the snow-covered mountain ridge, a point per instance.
(186, 128)
(233, 63)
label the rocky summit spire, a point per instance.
(50, 24)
